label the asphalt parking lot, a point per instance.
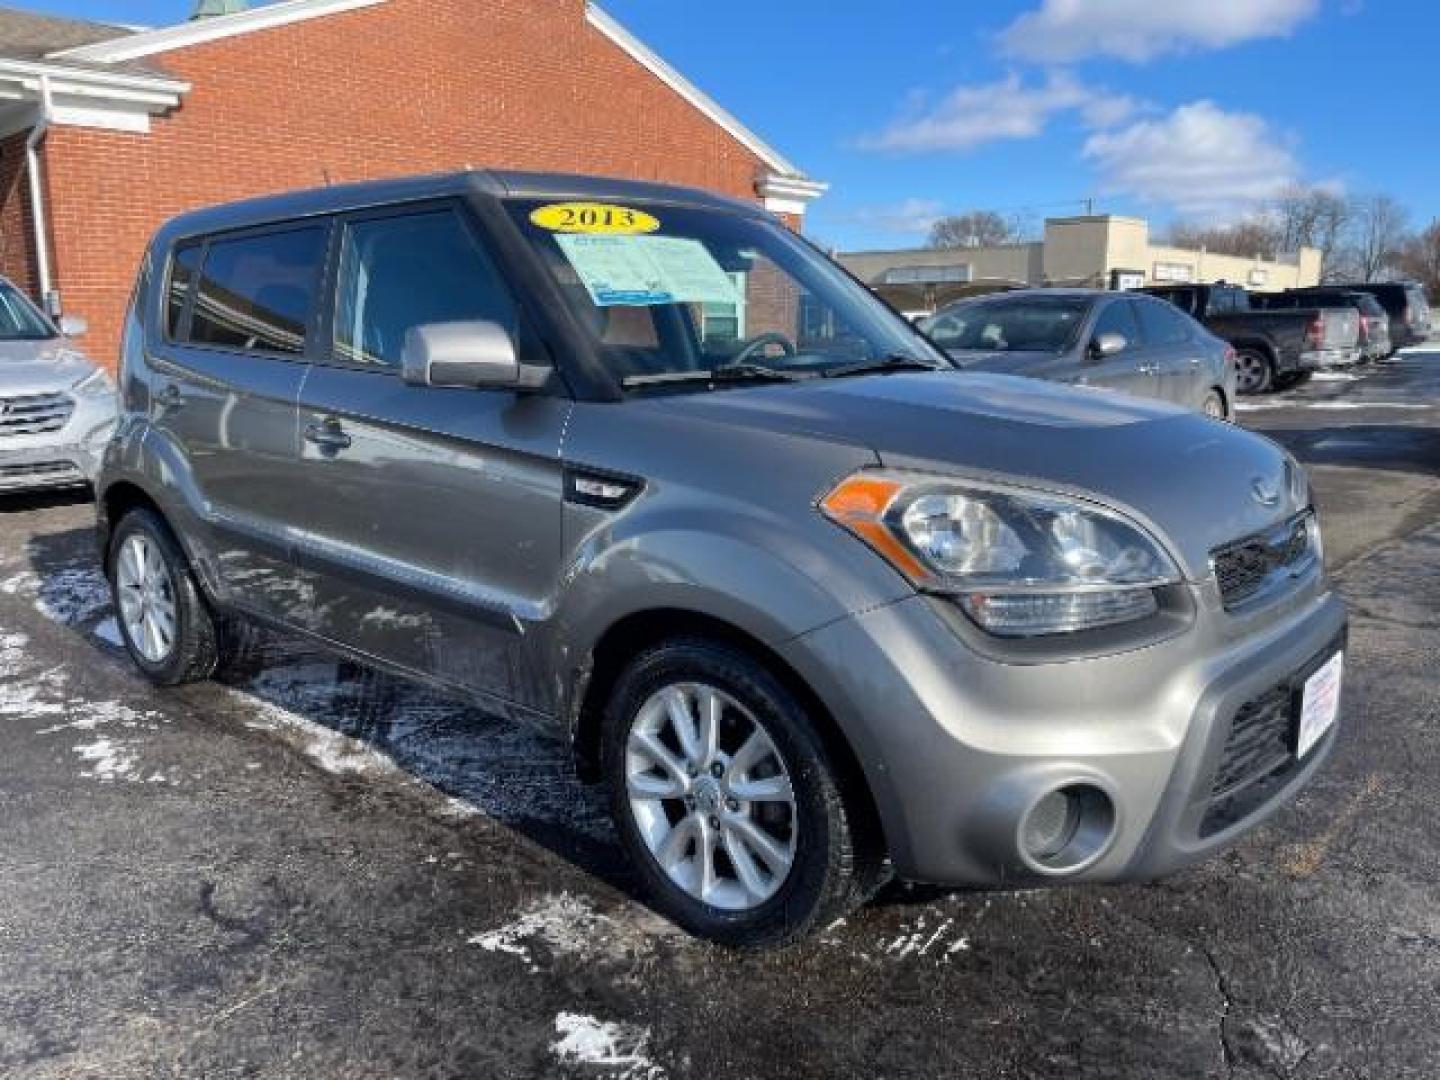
(318, 872)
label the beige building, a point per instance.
(1101, 251)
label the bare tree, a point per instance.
(1313, 217)
(976, 228)
(1248, 237)
(1420, 258)
(1379, 233)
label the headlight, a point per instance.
(97, 384)
(1021, 564)
(1301, 496)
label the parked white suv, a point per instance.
(57, 408)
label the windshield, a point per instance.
(19, 319)
(668, 291)
(1021, 324)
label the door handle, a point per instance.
(329, 436)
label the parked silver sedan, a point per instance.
(1122, 341)
(57, 408)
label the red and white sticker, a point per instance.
(1320, 705)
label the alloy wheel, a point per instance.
(711, 797)
(1250, 372)
(147, 598)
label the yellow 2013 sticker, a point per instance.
(597, 218)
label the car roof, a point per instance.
(339, 198)
(1077, 294)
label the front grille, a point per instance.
(1248, 567)
(1258, 758)
(1259, 740)
(57, 470)
(1257, 761)
(34, 414)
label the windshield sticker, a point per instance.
(639, 271)
(598, 219)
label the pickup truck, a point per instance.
(1274, 350)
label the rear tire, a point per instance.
(682, 812)
(166, 626)
(1254, 372)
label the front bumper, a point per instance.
(68, 457)
(957, 748)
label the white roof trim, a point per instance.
(167, 38)
(788, 194)
(152, 89)
(649, 59)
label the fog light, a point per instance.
(1067, 829)
(1051, 825)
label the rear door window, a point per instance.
(407, 270)
(1162, 325)
(256, 292)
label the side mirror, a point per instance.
(1108, 345)
(477, 355)
(73, 326)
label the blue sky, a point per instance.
(1169, 108)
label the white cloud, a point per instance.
(970, 116)
(1201, 160)
(1061, 31)
(911, 217)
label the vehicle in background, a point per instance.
(639, 465)
(1086, 337)
(1406, 304)
(1374, 322)
(57, 408)
(1273, 349)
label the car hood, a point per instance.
(38, 367)
(1189, 479)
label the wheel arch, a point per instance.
(631, 634)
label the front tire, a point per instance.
(167, 628)
(1214, 406)
(726, 800)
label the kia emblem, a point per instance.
(1266, 493)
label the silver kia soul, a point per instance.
(639, 464)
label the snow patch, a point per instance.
(566, 925)
(622, 1050)
(1334, 406)
(108, 760)
(330, 750)
(109, 632)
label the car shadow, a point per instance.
(28, 502)
(1411, 449)
(479, 763)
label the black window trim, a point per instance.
(323, 222)
(324, 348)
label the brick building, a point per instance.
(106, 131)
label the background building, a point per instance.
(1097, 251)
(105, 132)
